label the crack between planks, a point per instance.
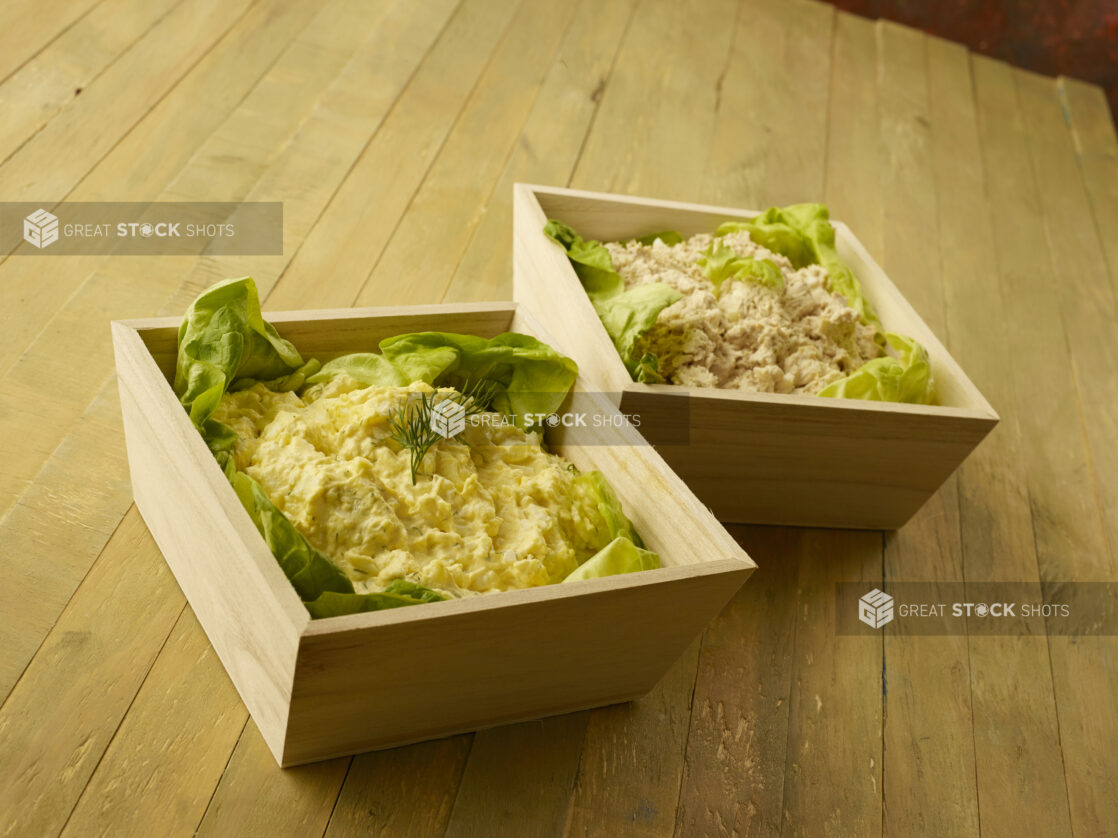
(221, 776)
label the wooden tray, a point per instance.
(754, 457)
(329, 687)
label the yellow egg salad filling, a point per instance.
(490, 509)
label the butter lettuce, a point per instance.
(803, 233)
(530, 376)
(626, 314)
(800, 232)
(619, 556)
(906, 378)
(596, 491)
(369, 368)
(720, 263)
(226, 345)
(224, 336)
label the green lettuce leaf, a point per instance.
(597, 491)
(720, 263)
(310, 571)
(619, 556)
(906, 378)
(398, 593)
(626, 314)
(530, 376)
(803, 233)
(369, 368)
(223, 336)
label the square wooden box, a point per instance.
(342, 685)
(755, 457)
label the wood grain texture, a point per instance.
(519, 779)
(404, 791)
(255, 799)
(153, 749)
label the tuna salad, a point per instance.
(764, 305)
(784, 332)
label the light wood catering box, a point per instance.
(328, 687)
(755, 457)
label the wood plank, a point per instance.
(1016, 733)
(159, 771)
(548, 147)
(1086, 295)
(1085, 669)
(928, 730)
(355, 227)
(833, 777)
(101, 115)
(432, 235)
(632, 760)
(405, 791)
(57, 722)
(764, 153)
(657, 113)
(519, 778)
(44, 85)
(733, 781)
(30, 25)
(1096, 146)
(255, 797)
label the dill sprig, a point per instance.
(411, 422)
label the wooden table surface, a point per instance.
(393, 133)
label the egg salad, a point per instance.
(488, 510)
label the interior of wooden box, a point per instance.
(632, 466)
(612, 219)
